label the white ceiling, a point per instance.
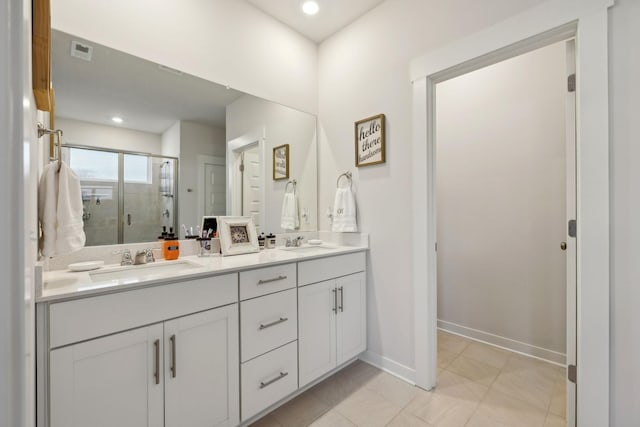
(332, 16)
(114, 83)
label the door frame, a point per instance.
(552, 21)
(234, 149)
(202, 161)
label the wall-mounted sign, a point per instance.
(281, 162)
(370, 141)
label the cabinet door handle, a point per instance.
(275, 279)
(278, 378)
(274, 323)
(174, 362)
(156, 372)
(341, 307)
(335, 300)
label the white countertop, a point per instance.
(62, 285)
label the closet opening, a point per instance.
(504, 195)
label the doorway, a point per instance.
(534, 28)
(503, 196)
(245, 173)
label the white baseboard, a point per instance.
(390, 366)
(505, 343)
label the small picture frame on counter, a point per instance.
(237, 235)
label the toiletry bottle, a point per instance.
(162, 235)
(171, 246)
(270, 241)
(261, 240)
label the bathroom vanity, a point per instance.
(219, 342)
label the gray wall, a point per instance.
(501, 202)
(624, 112)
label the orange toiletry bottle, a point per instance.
(171, 246)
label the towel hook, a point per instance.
(346, 175)
(58, 133)
(293, 182)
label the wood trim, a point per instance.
(41, 54)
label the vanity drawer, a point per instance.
(268, 322)
(318, 270)
(87, 318)
(269, 378)
(262, 281)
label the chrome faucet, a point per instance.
(126, 258)
(144, 256)
(293, 242)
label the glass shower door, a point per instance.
(148, 197)
(98, 173)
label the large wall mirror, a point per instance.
(157, 147)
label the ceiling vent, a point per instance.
(82, 51)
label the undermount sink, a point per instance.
(307, 248)
(141, 272)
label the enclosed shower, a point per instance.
(127, 197)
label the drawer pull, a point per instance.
(341, 307)
(277, 322)
(174, 362)
(156, 373)
(278, 378)
(335, 300)
(275, 279)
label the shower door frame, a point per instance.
(121, 182)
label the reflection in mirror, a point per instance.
(184, 120)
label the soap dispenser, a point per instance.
(171, 246)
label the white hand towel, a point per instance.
(60, 211)
(344, 211)
(290, 219)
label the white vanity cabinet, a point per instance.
(108, 381)
(332, 313)
(178, 372)
(268, 336)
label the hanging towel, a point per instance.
(344, 211)
(290, 220)
(60, 211)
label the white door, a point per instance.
(571, 241)
(111, 381)
(352, 319)
(252, 186)
(317, 306)
(202, 369)
(215, 188)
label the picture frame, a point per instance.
(237, 235)
(281, 162)
(370, 141)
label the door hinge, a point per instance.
(572, 373)
(571, 83)
(573, 228)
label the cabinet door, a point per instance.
(352, 316)
(202, 369)
(109, 381)
(316, 330)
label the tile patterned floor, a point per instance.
(478, 386)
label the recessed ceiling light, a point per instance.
(117, 119)
(310, 7)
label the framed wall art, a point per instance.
(369, 139)
(237, 235)
(281, 162)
